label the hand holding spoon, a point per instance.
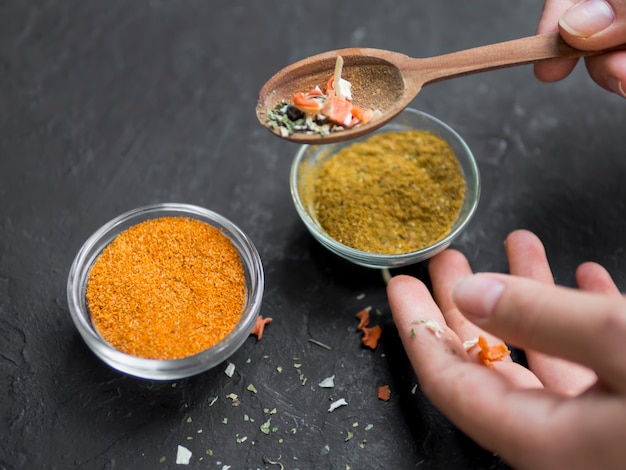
(389, 81)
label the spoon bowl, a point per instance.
(388, 81)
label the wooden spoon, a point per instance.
(389, 81)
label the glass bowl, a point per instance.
(156, 368)
(309, 158)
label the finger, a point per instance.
(594, 25)
(527, 258)
(553, 70)
(586, 328)
(609, 71)
(445, 270)
(592, 277)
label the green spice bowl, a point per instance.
(164, 369)
(305, 171)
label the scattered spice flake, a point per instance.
(412, 333)
(364, 318)
(489, 354)
(301, 375)
(252, 388)
(470, 343)
(183, 456)
(349, 435)
(414, 389)
(384, 393)
(241, 439)
(433, 326)
(189, 419)
(361, 296)
(212, 400)
(265, 427)
(224, 420)
(328, 382)
(319, 343)
(162, 459)
(336, 404)
(371, 336)
(230, 369)
(259, 326)
(267, 461)
(234, 398)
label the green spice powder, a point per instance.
(395, 192)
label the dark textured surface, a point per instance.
(106, 106)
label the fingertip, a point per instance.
(477, 295)
(448, 261)
(399, 282)
(524, 241)
(404, 292)
(593, 277)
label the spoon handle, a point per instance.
(495, 56)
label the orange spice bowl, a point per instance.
(138, 365)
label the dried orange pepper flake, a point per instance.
(259, 327)
(384, 393)
(167, 288)
(371, 336)
(364, 318)
(489, 354)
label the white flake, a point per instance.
(183, 456)
(336, 404)
(328, 382)
(230, 369)
(470, 343)
(435, 327)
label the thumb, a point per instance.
(587, 328)
(594, 24)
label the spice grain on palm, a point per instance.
(167, 288)
(395, 192)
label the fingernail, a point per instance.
(477, 295)
(615, 85)
(587, 18)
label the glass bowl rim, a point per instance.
(382, 260)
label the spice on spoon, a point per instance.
(167, 288)
(320, 112)
(395, 192)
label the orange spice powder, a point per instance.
(167, 288)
